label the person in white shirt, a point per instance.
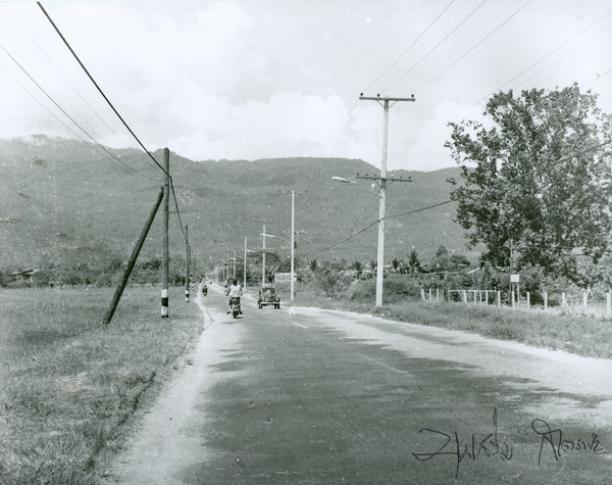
(234, 291)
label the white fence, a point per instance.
(585, 302)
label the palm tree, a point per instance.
(357, 266)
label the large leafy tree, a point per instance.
(536, 171)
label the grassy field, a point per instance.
(578, 334)
(70, 385)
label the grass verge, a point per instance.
(578, 334)
(69, 384)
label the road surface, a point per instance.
(307, 396)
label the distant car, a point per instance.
(268, 296)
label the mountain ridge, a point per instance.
(61, 195)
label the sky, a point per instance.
(261, 79)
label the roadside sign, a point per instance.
(515, 278)
(283, 277)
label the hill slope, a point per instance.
(63, 199)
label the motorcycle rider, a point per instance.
(234, 291)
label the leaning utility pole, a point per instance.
(132, 260)
(386, 102)
(165, 241)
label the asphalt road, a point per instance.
(306, 396)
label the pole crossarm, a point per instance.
(385, 98)
(386, 179)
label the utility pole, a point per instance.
(511, 272)
(187, 263)
(263, 257)
(132, 260)
(234, 264)
(292, 274)
(386, 102)
(165, 241)
(244, 275)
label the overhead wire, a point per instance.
(475, 46)
(116, 159)
(575, 48)
(91, 78)
(75, 90)
(438, 44)
(548, 54)
(414, 42)
(127, 126)
(402, 214)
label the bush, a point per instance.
(395, 287)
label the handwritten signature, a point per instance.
(494, 445)
(487, 447)
(559, 443)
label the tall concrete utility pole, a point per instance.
(263, 257)
(386, 102)
(234, 264)
(244, 275)
(292, 254)
(165, 241)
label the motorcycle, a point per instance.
(235, 305)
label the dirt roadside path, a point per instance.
(166, 441)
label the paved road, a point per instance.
(306, 396)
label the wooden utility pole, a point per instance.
(132, 260)
(187, 256)
(165, 240)
(386, 102)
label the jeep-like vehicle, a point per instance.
(268, 296)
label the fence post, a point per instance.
(563, 301)
(498, 298)
(465, 297)
(437, 295)
(429, 295)
(423, 294)
(528, 300)
(585, 299)
(609, 304)
(545, 299)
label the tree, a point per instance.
(542, 176)
(396, 263)
(413, 262)
(357, 266)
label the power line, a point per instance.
(178, 212)
(411, 68)
(100, 89)
(402, 214)
(58, 106)
(414, 42)
(72, 86)
(475, 46)
(547, 66)
(548, 54)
